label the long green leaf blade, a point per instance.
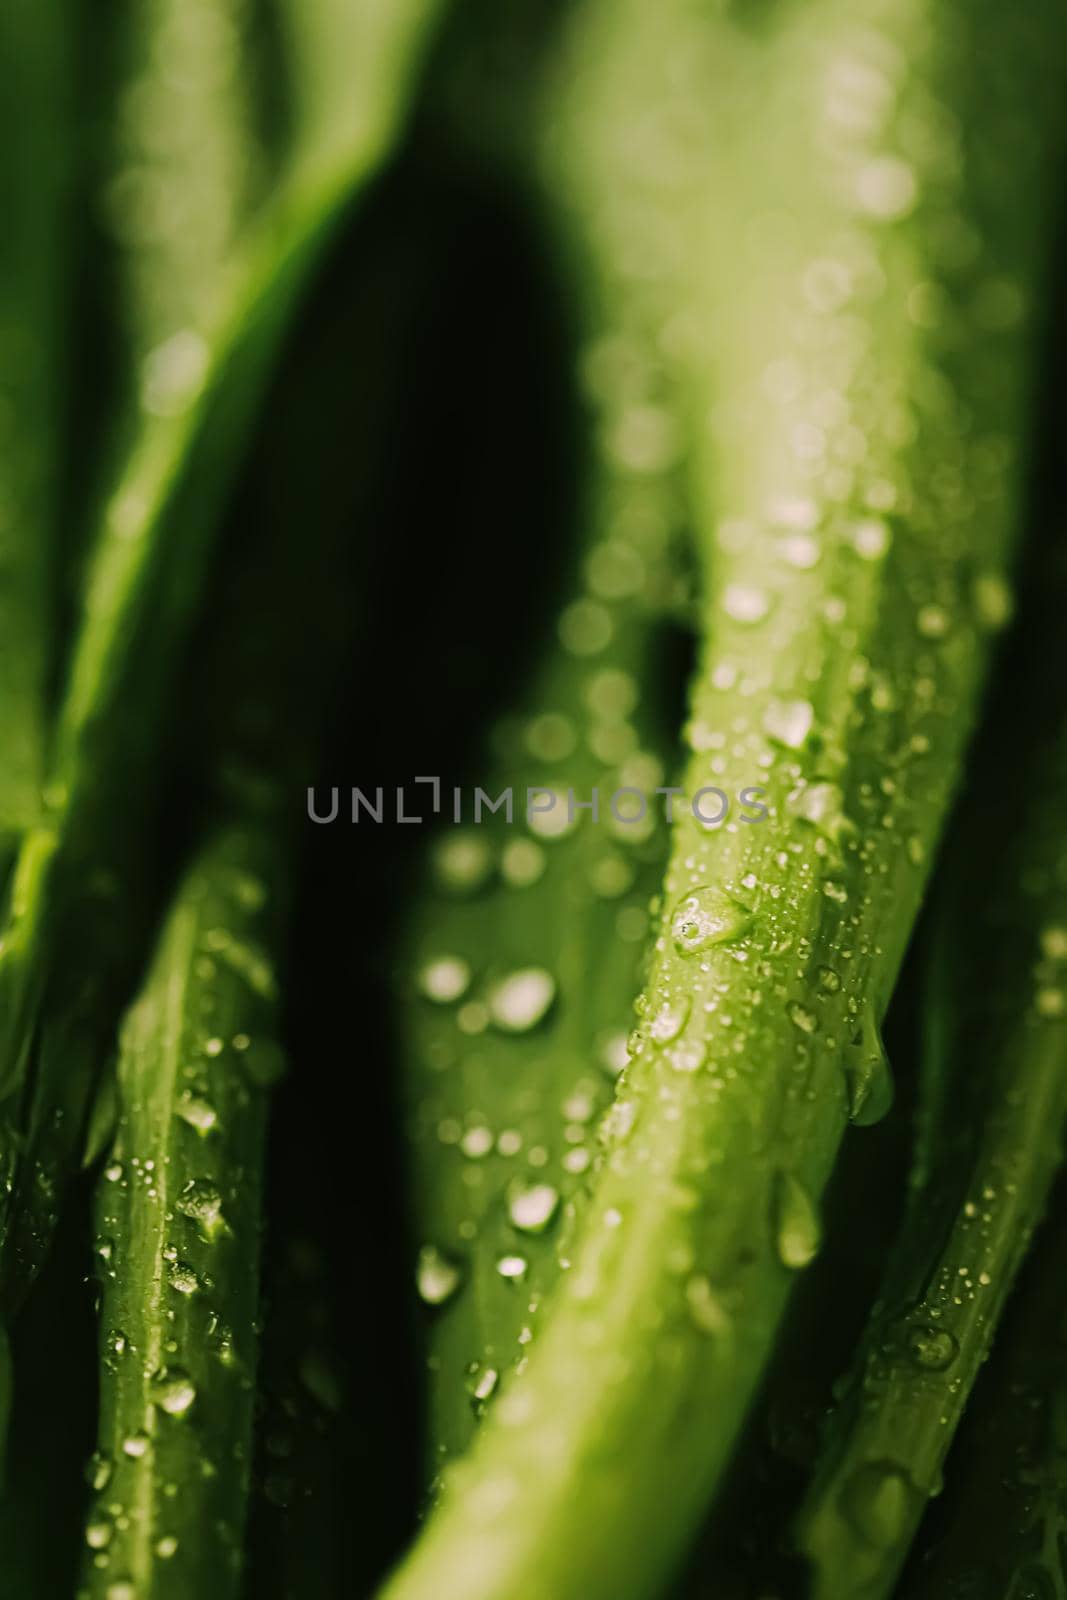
(178, 1238)
(995, 1100)
(847, 633)
(36, 123)
(145, 584)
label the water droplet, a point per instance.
(136, 1446)
(801, 1017)
(688, 1056)
(182, 1277)
(520, 1001)
(880, 1501)
(870, 539)
(829, 980)
(745, 603)
(669, 1020)
(122, 1590)
(522, 863)
(707, 917)
(931, 1349)
(705, 1308)
(115, 1343)
(512, 1267)
(201, 1202)
(477, 1142)
(1050, 1004)
(197, 1113)
(531, 1209)
(173, 1391)
(789, 722)
(553, 820)
(798, 1233)
(823, 805)
(611, 876)
(932, 621)
(799, 550)
(166, 1547)
(1054, 943)
(99, 1532)
(462, 863)
(481, 1386)
(993, 602)
(580, 1106)
(436, 1277)
(868, 1075)
(444, 980)
(98, 1471)
(614, 1055)
(585, 628)
(551, 737)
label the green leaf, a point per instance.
(845, 648)
(526, 954)
(81, 873)
(178, 1221)
(994, 1102)
(36, 124)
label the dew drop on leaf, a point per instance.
(98, 1471)
(745, 603)
(870, 539)
(614, 1055)
(463, 863)
(173, 1391)
(198, 1113)
(669, 1020)
(789, 722)
(933, 621)
(707, 917)
(99, 1532)
(823, 805)
(931, 1349)
(436, 1276)
(520, 1001)
(531, 1208)
(1054, 943)
(993, 601)
(481, 1386)
(797, 1230)
(477, 1142)
(1051, 1004)
(868, 1075)
(801, 1017)
(182, 1277)
(879, 1500)
(522, 863)
(445, 979)
(706, 1310)
(201, 1202)
(688, 1056)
